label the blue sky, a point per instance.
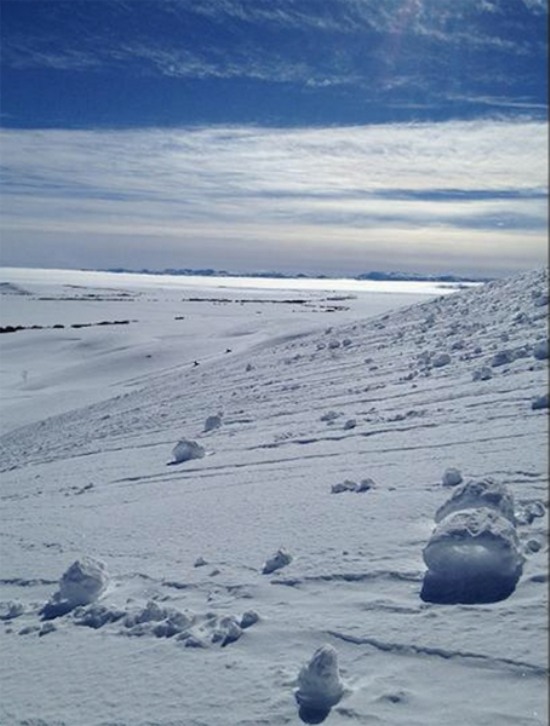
(325, 136)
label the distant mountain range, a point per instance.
(373, 275)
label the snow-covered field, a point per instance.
(269, 569)
(154, 324)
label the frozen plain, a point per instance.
(310, 394)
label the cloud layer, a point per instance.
(280, 62)
(465, 197)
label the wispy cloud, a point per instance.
(417, 52)
(454, 196)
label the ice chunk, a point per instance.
(319, 685)
(473, 556)
(185, 450)
(280, 559)
(481, 493)
(452, 477)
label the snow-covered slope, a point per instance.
(186, 627)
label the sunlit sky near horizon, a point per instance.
(318, 136)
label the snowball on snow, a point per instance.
(280, 559)
(330, 416)
(540, 350)
(213, 422)
(533, 545)
(365, 485)
(227, 631)
(452, 477)
(482, 374)
(249, 618)
(540, 402)
(472, 557)
(442, 359)
(83, 582)
(474, 542)
(350, 486)
(481, 493)
(501, 358)
(319, 684)
(10, 610)
(346, 486)
(185, 450)
(527, 512)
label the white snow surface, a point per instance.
(90, 417)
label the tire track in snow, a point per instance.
(527, 669)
